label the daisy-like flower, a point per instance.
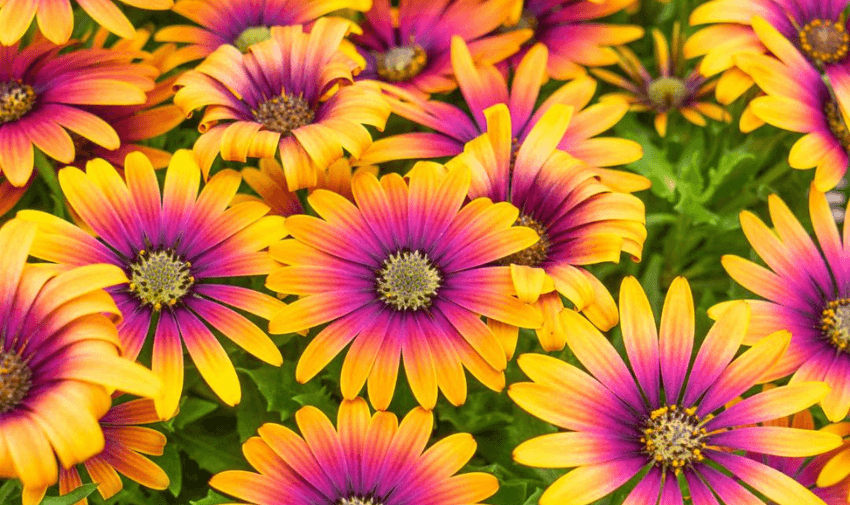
(800, 101)
(304, 106)
(580, 220)
(806, 471)
(807, 291)
(410, 46)
(484, 86)
(269, 181)
(241, 23)
(41, 96)
(568, 29)
(59, 360)
(401, 274)
(673, 89)
(126, 441)
(56, 17)
(620, 421)
(817, 27)
(171, 245)
(366, 460)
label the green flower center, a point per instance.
(527, 21)
(667, 92)
(160, 278)
(355, 500)
(673, 438)
(408, 281)
(284, 113)
(824, 41)
(16, 99)
(835, 323)
(837, 124)
(15, 381)
(535, 254)
(251, 36)
(401, 63)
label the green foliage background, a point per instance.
(702, 179)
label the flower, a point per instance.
(401, 273)
(366, 460)
(580, 220)
(818, 28)
(410, 47)
(304, 106)
(59, 359)
(41, 94)
(241, 23)
(619, 424)
(269, 181)
(673, 88)
(484, 86)
(171, 288)
(806, 291)
(798, 100)
(574, 42)
(834, 470)
(56, 17)
(806, 471)
(122, 453)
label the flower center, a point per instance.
(408, 281)
(284, 113)
(527, 21)
(160, 278)
(16, 99)
(673, 437)
(836, 123)
(355, 500)
(401, 63)
(835, 323)
(667, 92)
(536, 253)
(15, 381)
(251, 36)
(824, 41)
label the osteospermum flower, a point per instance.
(410, 47)
(673, 89)
(59, 359)
(666, 414)
(269, 182)
(56, 17)
(41, 94)
(568, 29)
(171, 245)
(798, 100)
(126, 441)
(241, 23)
(484, 86)
(806, 288)
(366, 460)
(401, 274)
(806, 471)
(580, 220)
(817, 27)
(304, 106)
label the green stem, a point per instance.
(48, 173)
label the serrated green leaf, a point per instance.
(191, 410)
(172, 466)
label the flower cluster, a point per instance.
(428, 186)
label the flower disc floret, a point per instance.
(836, 123)
(160, 278)
(354, 500)
(408, 280)
(401, 63)
(251, 36)
(535, 254)
(667, 92)
(836, 323)
(673, 437)
(15, 381)
(824, 41)
(16, 99)
(284, 113)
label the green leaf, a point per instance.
(212, 498)
(213, 453)
(173, 467)
(534, 499)
(72, 497)
(191, 410)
